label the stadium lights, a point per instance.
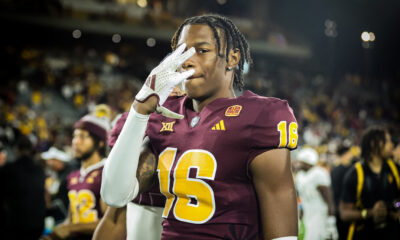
(330, 28)
(76, 33)
(116, 38)
(371, 36)
(142, 3)
(367, 36)
(151, 42)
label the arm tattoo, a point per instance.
(146, 171)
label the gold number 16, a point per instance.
(195, 201)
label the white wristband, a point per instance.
(331, 220)
(286, 238)
(119, 183)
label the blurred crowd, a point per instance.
(46, 88)
(331, 112)
(53, 87)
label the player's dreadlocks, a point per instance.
(371, 142)
(233, 37)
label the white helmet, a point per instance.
(308, 155)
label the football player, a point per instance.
(313, 185)
(85, 205)
(221, 161)
(141, 218)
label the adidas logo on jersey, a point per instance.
(220, 126)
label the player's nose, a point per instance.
(188, 64)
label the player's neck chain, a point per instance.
(194, 121)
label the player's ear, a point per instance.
(234, 58)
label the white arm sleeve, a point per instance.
(119, 183)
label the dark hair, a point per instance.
(233, 37)
(24, 145)
(96, 141)
(371, 142)
(342, 149)
(395, 135)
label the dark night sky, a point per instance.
(344, 53)
(307, 17)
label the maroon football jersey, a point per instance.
(84, 194)
(153, 197)
(204, 159)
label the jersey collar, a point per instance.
(95, 166)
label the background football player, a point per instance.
(314, 187)
(139, 219)
(85, 205)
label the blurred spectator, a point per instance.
(345, 158)
(59, 164)
(86, 206)
(74, 81)
(396, 153)
(22, 193)
(371, 190)
(3, 155)
(3, 160)
(396, 148)
(313, 184)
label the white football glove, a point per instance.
(331, 230)
(164, 78)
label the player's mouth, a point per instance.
(194, 77)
